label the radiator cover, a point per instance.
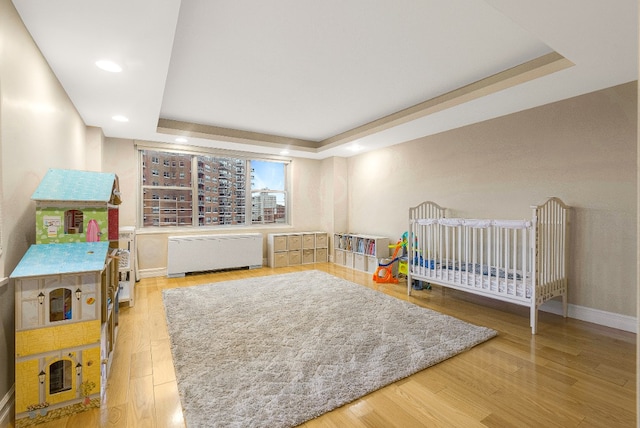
(197, 253)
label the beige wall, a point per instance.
(335, 186)
(119, 156)
(582, 150)
(93, 148)
(39, 129)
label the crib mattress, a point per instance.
(509, 285)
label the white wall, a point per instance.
(582, 150)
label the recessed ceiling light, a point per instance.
(120, 118)
(284, 152)
(107, 65)
(355, 148)
(181, 140)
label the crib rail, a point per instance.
(488, 256)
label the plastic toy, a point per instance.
(384, 272)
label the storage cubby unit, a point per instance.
(127, 260)
(360, 252)
(289, 249)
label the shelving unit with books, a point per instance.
(127, 256)
(360, 252)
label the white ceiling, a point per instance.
(317, 77)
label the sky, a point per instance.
(268, 175)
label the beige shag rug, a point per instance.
(276, 351)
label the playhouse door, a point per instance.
(113, 225)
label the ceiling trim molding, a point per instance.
(193, 149)
(195, 130)
(530, 70)
(525, 72)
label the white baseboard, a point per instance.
(596, 316)
(152, 273)
(156, 272)
(6, 407)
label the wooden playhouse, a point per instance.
(66, 297)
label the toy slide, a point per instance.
(384, 272)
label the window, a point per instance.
(60, 305)
(73, 222)
(60, 375)
(268, 196)
(244, 191)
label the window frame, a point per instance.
(193, 153)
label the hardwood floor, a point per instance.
(571, 374)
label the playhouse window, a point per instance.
(73, 222)
(60, 375)
(60, 305)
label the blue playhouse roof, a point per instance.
(53, 259)
(73, 185)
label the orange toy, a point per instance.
(384, 272)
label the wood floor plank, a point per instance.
(163, 370)
(117, 390)
(141, 364)
(338, 418)
(429, 409)
(141, 335)
(467, 375)
(167, 406)
(141, 409)
(158, 325)
(519, 410)
(115, 416)
(369, 415)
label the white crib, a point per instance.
(517, 261)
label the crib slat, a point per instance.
(514, 261)
(524, 246)
(474, 255)
(482, 261)
(489, 254)
(499, 258)
(467, 259)
(440, 251)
